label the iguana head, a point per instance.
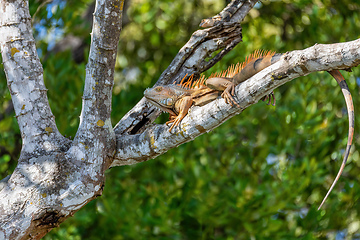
(165, 97)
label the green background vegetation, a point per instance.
(261, 175)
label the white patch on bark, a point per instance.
(76, 195)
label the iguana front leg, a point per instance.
(226, 86)
(182, 106)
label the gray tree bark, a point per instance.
(55, 176)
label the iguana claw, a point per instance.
(228, 94)
(268, 98)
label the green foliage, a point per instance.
(67, 81)
(261, 175)
(10, 141)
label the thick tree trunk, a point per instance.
(55, 177)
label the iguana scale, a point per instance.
(176, 99)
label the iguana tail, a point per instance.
(350, 108)
(260, 60)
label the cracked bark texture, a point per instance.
(55, 177)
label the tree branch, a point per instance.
(49, 186)
(95, 123)
(224, 35)
(24, 74)
(100, 68)
(156, 140)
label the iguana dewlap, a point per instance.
(177, 99)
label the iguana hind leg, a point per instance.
(225, 85)
(228, 90)
(268, 98)
(350, 108)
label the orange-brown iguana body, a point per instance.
(177, 99)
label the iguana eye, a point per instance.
(158, 89)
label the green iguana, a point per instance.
(176, 99)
